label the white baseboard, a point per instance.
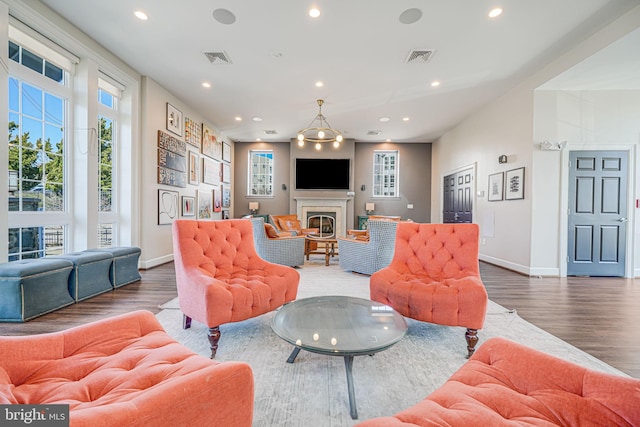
(144, 265)
(523, 269)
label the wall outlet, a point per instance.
(351, 193)
(410, 206)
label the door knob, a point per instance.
(622, 220)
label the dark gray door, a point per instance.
(597, 209)
(458, 196)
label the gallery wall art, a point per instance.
(192, 132)
(174, 120)
(171, 160)
(168, 207)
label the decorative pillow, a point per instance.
(291, 224)
(271, 231)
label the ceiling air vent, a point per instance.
(420, 56)
(217, 57)
(270, 132)
(374, 132)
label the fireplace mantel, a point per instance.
(325, 204)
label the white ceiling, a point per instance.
(357, 48)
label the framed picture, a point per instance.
(192, 132)
(174, 120)
(514, 184)
(211, 147)
(205, 205)
(188, 206)
(210, 171)
(194, 163)
(225, 214)
(496, 185)
(167, 206)
(226, 196)
(226, 173)
(226, 152)
(217, 199)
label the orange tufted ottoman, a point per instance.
(124, 371)
(508, 384)
(434, 277)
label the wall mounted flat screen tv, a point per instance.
(322, 174)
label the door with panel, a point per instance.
(597, 222)
(458, 197)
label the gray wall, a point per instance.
(414, 180)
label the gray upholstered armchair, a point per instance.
(284, 249)
(367, 257)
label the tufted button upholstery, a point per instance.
(434, 275)
(220, 277)
(124, 370)
(506, 384)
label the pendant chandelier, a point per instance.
(319, 131)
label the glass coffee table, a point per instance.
(339, 326)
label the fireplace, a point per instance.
(325, 222)
(334, 207)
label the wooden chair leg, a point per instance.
(213, 334)
(472, 339)
(186, 321)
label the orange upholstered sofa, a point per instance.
(124, 371)
(221, 278)
(508, 384)
(434, 277)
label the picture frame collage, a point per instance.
(508, 185)
(191, 154)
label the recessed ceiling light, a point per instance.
(405, 119)
(141, 15)
(495, 12)
(384, 119)
(238, 119)
(206, 84)
(388, 140)
(319, 84)
(256, 119)
(435, 83)
(258, 139)
(224, 16)
(314, 13)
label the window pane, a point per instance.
(31, 101)
(105, 235)
(105, 98)
(54, 72)
(260, 173)
(14, 52)
(14, 98)
(31, 60)
(54, 137)
(54, 109)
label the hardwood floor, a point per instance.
(598, 315)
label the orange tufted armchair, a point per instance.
(434, 277)
(221, 278)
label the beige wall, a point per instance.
(529, 235)
(156, 240)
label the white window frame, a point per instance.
(387, 186)
(251, 174)
(26, 219)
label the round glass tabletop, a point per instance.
(339, 325)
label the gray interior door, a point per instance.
(458, 197)
(597, 209)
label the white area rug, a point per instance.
(313, 390)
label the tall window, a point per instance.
(385, 173)
(38, 98)
(260, 182)
(107, 138)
